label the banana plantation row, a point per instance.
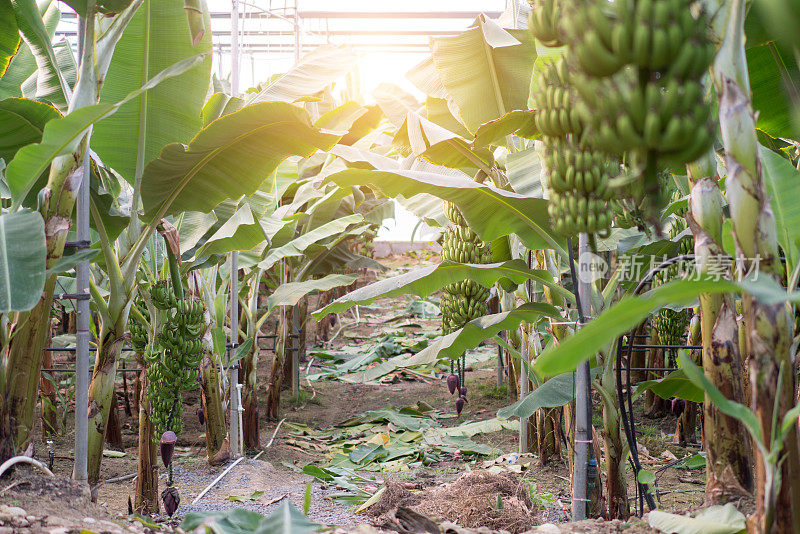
(651, 126)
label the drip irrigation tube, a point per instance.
(624, 394)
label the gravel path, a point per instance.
(255, 475)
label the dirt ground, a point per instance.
(446, 490)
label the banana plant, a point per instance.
(58, 154)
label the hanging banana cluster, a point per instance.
(577, 175)
(639, 65)
(173, 360)
(543, 22)
(466, 300)
(579, 192)
(139, 338)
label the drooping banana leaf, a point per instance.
(23, 64)
(425, 281)
(67, 65)
(474, 332)
(230, 157)
(241, 232)
(50, 83)
(62, 136)
(23, 253)
(290, 293)
(489, 211)
(499, 63)
(9, 35)
(299, 245)
(313, 73)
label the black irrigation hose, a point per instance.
(626, 413)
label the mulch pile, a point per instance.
(475, 499)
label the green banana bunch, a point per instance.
(577, 180)
(669, 118)
(173, 359)
(554, 101)
(465, 300)
(637, 68)
(543, 21)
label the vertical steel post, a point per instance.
(236, 412)
(297, 51)
(79, 472)
(583, 402)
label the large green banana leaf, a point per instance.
(313, 73)
(555, 392)
(486, 70)
(156, 37)
(241, 232)
(62, 136)
(290, 293)
(22, 260)
(22, 122)
(630, 311)
(783, 187)
(9, 35)
(220, 104)
(50, 82)
(490, 212)
(474, 332)
(428, 280)
(395, 102)
(299, 245)
(67, 66)
(440, 146)
(230, 157)
(23, 63)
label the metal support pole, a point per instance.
(295, 351)
(79, 472)
(236, 412)
(583, 402)
(235, 395)
(297, 47)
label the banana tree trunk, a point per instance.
(101, 389)
(614, 453)
(252, 440)
(146, 490)
(276, 374)
(47, 390)
(217, 447)
(770, 326)
(22, 366)
(113, 428)
(687, 421)
(726, 440)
